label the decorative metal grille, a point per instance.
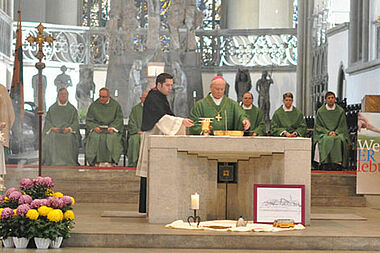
(95, 13)
(73, 44)
(219, 48)
(248, 48)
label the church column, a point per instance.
(9, 7)
(304, 98)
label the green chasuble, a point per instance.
(134, 126)
(256, 118)
(331, 149)
(289, 121)
(59, 148)
(206, 108)
(104, 147)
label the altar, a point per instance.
(182, 165)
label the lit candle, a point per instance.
(195, 201)
(116, 93)
(194, 94)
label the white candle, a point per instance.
(116, 93)
(194, 94)
(195, 201)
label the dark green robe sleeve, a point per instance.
(135, 119)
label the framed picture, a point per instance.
(272, 201)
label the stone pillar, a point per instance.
(275, 14)
(9, 8)
(353, 32)
(304, 71)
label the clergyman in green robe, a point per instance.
(255, 115)
(134, 131)
(331, 133)
(287, 120)
(226, 113)
(105, 126)
(61, 135)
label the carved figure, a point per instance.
(85, 89)
(63, 80)
(242, 83)
(180, 106)
(35, 90)
(262, 87)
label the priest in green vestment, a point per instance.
(61, 135)
(134, 131)
(287, 120)
(105, 126)
(255, 115)
(331, 133)
(226, 113)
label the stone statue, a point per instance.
(193, 19)
(227, 90)
(176, 16)
(242, 83)
(35, 90)
(63, 80)
(262, 87)
(180, 105)
(85, 89)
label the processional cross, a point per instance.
(40, 39)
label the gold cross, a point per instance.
(218, 117)
(40, 39)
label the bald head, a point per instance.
(217, 88)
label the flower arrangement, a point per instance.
(36, 211)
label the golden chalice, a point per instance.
(205, 123)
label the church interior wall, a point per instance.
(257, 14)
(275, 14)
(100, 76)
(31, 10)
(283, 82)
(361, 84)
(3, 74)
(337, 56)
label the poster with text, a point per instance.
(368, 154)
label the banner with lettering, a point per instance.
(368, 154)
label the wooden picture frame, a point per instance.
(273, 201)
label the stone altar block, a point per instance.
(182, 165)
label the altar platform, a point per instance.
(92, 230)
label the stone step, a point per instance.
(105, 197)
(332, 179)
(353, 201)
(92, 174)
(204, 242)
(96, 186)
(333, 190)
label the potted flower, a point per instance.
(6, 226)
(22, 227)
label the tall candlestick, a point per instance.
(195, 201)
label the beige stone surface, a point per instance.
(182, 165)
